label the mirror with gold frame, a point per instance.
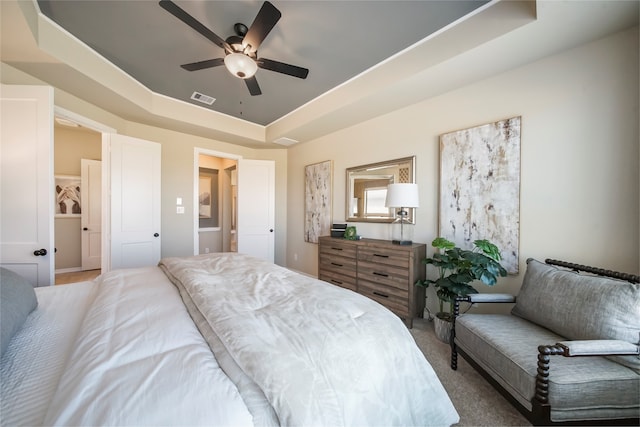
(367, 189)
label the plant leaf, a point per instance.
(488, 249)
(442, 243)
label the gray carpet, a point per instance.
(476, 401)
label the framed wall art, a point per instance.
(208, 198)
(480, 187)
(67, 195)
(317, 200)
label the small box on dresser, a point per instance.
(378, 269)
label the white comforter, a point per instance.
(322, 355)
(139, 360)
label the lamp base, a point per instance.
(402, 242)
(402, 230)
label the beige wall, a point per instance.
(177, 181)
(579, 156)
(70, 146)
(177, 167)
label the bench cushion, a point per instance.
(579, 388)
(581, 307)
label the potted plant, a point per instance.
(457, 270)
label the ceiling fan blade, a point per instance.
(281, 67)
(252, 85)
(266, 19)
(180, 13)
(201, 65)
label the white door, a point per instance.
(256, 208)
(26, 182)
(135, 202)
(91, 203)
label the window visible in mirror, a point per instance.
(370, 192)
(374, 202)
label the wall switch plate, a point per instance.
(179, 201)
(180, 209)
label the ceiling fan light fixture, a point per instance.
(240, 65)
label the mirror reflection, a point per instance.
(367, 189)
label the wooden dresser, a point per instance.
(377, 269)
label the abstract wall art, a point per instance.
(317, 200)
(480, 187)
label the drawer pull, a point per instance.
(336, 249)
(381, 256)
(337, 282)
(336, 264)
(380, 274)
(380, 295)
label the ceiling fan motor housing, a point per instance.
(240, 29)
(235, 42)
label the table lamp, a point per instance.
(402, 196)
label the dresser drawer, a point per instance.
(338, 279)
(385, 275)
(338, 270)
(384, 256)
(337, 248)
(394, 299)
(337, 263)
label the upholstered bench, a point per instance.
(593, 321)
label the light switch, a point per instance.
(179, 201)
(180, 209)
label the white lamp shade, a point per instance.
(240, 65)
(402, 196)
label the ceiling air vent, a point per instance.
(286, 141)
(197, 96)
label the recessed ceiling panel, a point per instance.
(335, 40)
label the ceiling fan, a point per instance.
(241, 49)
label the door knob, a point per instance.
(40, 252)
(271, 230)
(85, 229)
(155, 235)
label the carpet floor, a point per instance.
(476, 401)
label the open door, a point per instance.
(26, 182)
(91, 201)
(135, 202)
(256, 208)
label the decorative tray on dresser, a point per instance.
(378, 269)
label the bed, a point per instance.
(216, 340)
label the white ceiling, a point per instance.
(365, 58)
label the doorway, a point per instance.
(216, 197)
(95, 131)
(77, 223)
(247, 208)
